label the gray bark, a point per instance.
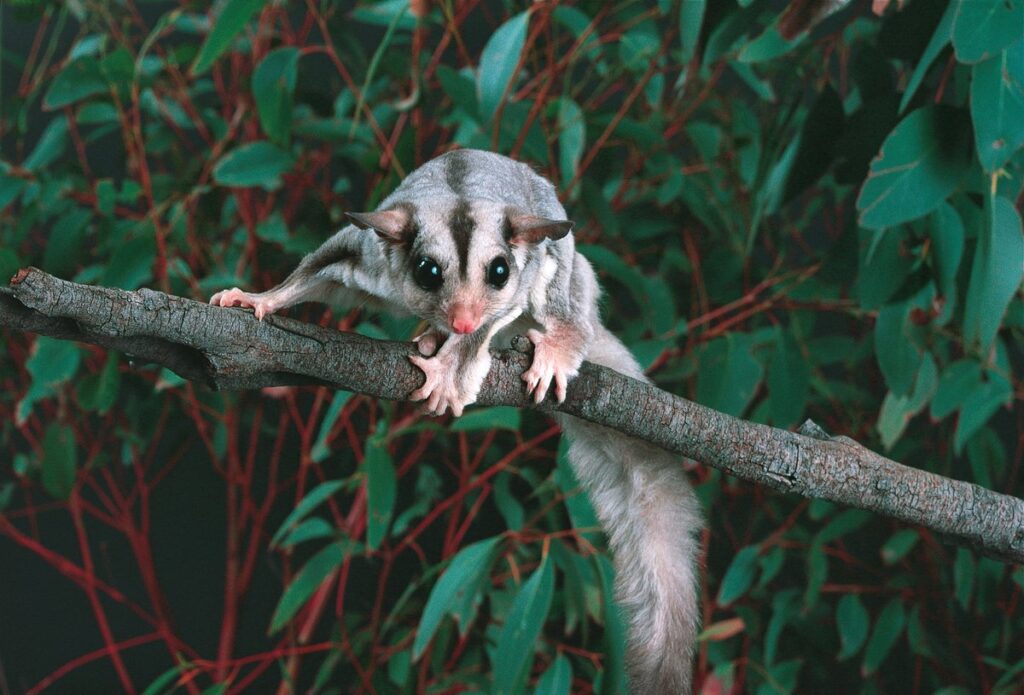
(230, 350)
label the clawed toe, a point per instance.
(235, 297)
(439, 391)
(549, 365)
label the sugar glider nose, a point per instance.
(464, 319)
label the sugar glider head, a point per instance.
(460, 263)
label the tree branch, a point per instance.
(231, 350)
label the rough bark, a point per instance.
(230, 349)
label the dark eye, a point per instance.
(497, 273)
(427, 274)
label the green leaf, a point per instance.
(845, 522)
(10, 187)
(381, 488)
(852, 620)
(98, 392)
(78, 80)
(963, 577)
(273, 229)
(67, 245)
(784, 607)
(607, 261)
(273, 84)
(255, 164)
(557, 680)
(320, 451)
(165, 680)
(96, 113)
(729, 375)
(898, 357)
(983, 27)
(818, 142)
(940, 38)
(921, 162)
(691, 18)
(917, 636)
(817, 573)
(311, 529)
(51, 145)
(789, 379)
(995, 275)
(897, 411)
(739, 577)
(310, 578)
(572, 136)
(498, 62)
(884, 266)
(997, 106)
(456, 593)
(729, 628)
(511, 510)
(523, 625)
(887, 630)
(60, 460)
(947, 233)
(51, 363)
(460, 88)
(958, 380)
(231, 20)
(898, 545)
(313, 499)
(384, 13)
(9, 263)
(132, 263)
(979, 406)
(482, 419)
(768, 45)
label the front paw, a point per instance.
(442, 389)
(550, 363)
(260, 305)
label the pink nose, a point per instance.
(464, 319)
(464, 326)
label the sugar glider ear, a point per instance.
(530, 229)
(395, 226)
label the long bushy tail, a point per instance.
(652, 518)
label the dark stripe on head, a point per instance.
(461, 225)
(456, 171)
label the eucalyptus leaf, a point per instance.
(523, 625)
(456, 593)
(921, 162)
(498, 62)
(233, 17)
(256, 164)
(311, 577)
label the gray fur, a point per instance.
(458, 208)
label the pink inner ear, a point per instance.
(389, 224)
(531, 229)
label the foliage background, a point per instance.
(720, 177)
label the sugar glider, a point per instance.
(478, 246)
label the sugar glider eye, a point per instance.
(497, 273)
(427, 274)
